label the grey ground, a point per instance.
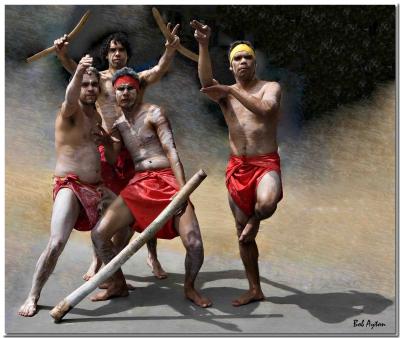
(158, 307)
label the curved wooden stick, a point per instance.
(71, 35)
(167, 34)
(60, 310)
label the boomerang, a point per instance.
(167, 34)
(70, 36)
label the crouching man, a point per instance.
(147, 135)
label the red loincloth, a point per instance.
(87, 194)
(147, 194)
(116, 177)
(243, 175)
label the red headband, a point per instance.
(127, 79)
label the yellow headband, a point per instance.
(241, 48)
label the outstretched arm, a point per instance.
(154, 74)
(71, 103)
(61, 45)
(267, 104)
(164, 133)
(202, 34)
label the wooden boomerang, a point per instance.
(164, 30)
(70, 36)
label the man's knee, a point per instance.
(194, 243)
(239, 229)
(265, 210)
(55, 247)
(97, 237)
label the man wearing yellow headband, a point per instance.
(253, 177)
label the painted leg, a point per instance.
(117, 217)
(188, 229)
(65, 213)
(107, 198)
(120, 240)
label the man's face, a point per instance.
(243, 65)
(89, 89)
(125, 95)
(117, 56)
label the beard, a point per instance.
(88, 102)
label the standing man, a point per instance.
(77, 193)
(159, 174)
(253, 177)
(116, 51)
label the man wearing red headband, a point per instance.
(78, 193)
(115, 52)
(146, 133)
(253, 177)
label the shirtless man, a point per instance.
(253, 178)
(77, 193)
(159, 174)
(116, 52)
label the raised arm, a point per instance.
(154, 74)
(202, 34)
(71, 103)
(61, 46)
(164, 133)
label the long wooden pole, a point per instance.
(59, 311)
(71, 35)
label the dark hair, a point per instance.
(120, 37)
(93, 70)
(124, 71)
(239, 42)
(89, 71)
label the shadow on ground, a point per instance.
(333, 307)
(328, 307)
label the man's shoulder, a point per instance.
(154, 112)
(69, 109)
(270, 84)
(105, 75)
(150, 107)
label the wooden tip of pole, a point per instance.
(202, 173)
(59, 311)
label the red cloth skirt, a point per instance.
(243, 175)
(147, 194)
(116, 177)
(88, 195)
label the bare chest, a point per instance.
(138, 131)
(106, 91)
(237, 115)
(76, 131)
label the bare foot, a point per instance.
(156, 268)
(197, 298)
(108, 283)
(29, 308)
(116, 289)
(248, 297)
(93, 268)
